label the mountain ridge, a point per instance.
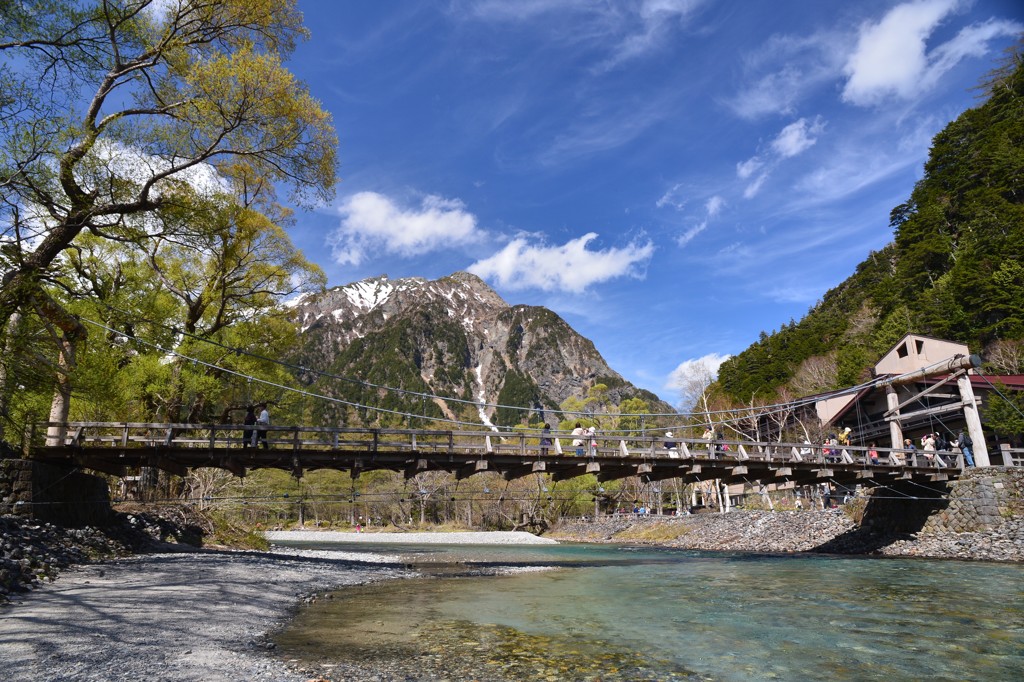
(452, 337)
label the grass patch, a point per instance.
(651, 532)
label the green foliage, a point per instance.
(518, 390)
(1005, 415)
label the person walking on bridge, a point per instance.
(263, 421)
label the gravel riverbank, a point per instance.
(183, 616)
(786, 532)
(187, 615)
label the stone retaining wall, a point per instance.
(983, 499)
(53, 493)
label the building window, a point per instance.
(920, 346)
(902, 350)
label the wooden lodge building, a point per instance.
(923, 385)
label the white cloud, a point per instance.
(372, 221)
(751, 190)
(687, 237)
(797, 137)
(669, 198)
(714, 206)
(745, 169)
(890, 59)
(784, 69)
(623, 29)
(656, 19)
(699, 371)
(569, 267)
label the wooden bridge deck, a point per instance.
(116, 448)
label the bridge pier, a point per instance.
(53, 493)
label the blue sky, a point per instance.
(672, 177)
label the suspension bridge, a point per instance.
(119, 448)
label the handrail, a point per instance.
(125, 435)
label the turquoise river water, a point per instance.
(627, 613)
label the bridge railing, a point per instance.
(1009, 456)
(524, 443)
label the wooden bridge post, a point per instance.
(970, 405)
(895, 429)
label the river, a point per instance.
(637, 613)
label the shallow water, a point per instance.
(626, 613)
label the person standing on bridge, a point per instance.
(262, 422)
(928, 446)
(964, 442)
(545, 439)
(577, 442)
(249, 421)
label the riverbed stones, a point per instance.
(33, 551)
(982, 518)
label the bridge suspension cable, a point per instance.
(730, 416)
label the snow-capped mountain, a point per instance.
(452, 337)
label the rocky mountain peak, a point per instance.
(454, 336)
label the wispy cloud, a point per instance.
(891, 60)
(798, 137)
(780, 73)
(670, 198)
(609, 126)
(569, 267)
(792, 140)
(374, 222)
(744, 169)
(621, 30)
(654, 23)
(712, 207)
(751, 190)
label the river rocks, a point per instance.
(31, 552)
(980, 517)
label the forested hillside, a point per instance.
(954, 269)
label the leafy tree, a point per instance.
(1005, 415)
(121, 119)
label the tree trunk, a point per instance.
(61, 403)
(10, 340)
